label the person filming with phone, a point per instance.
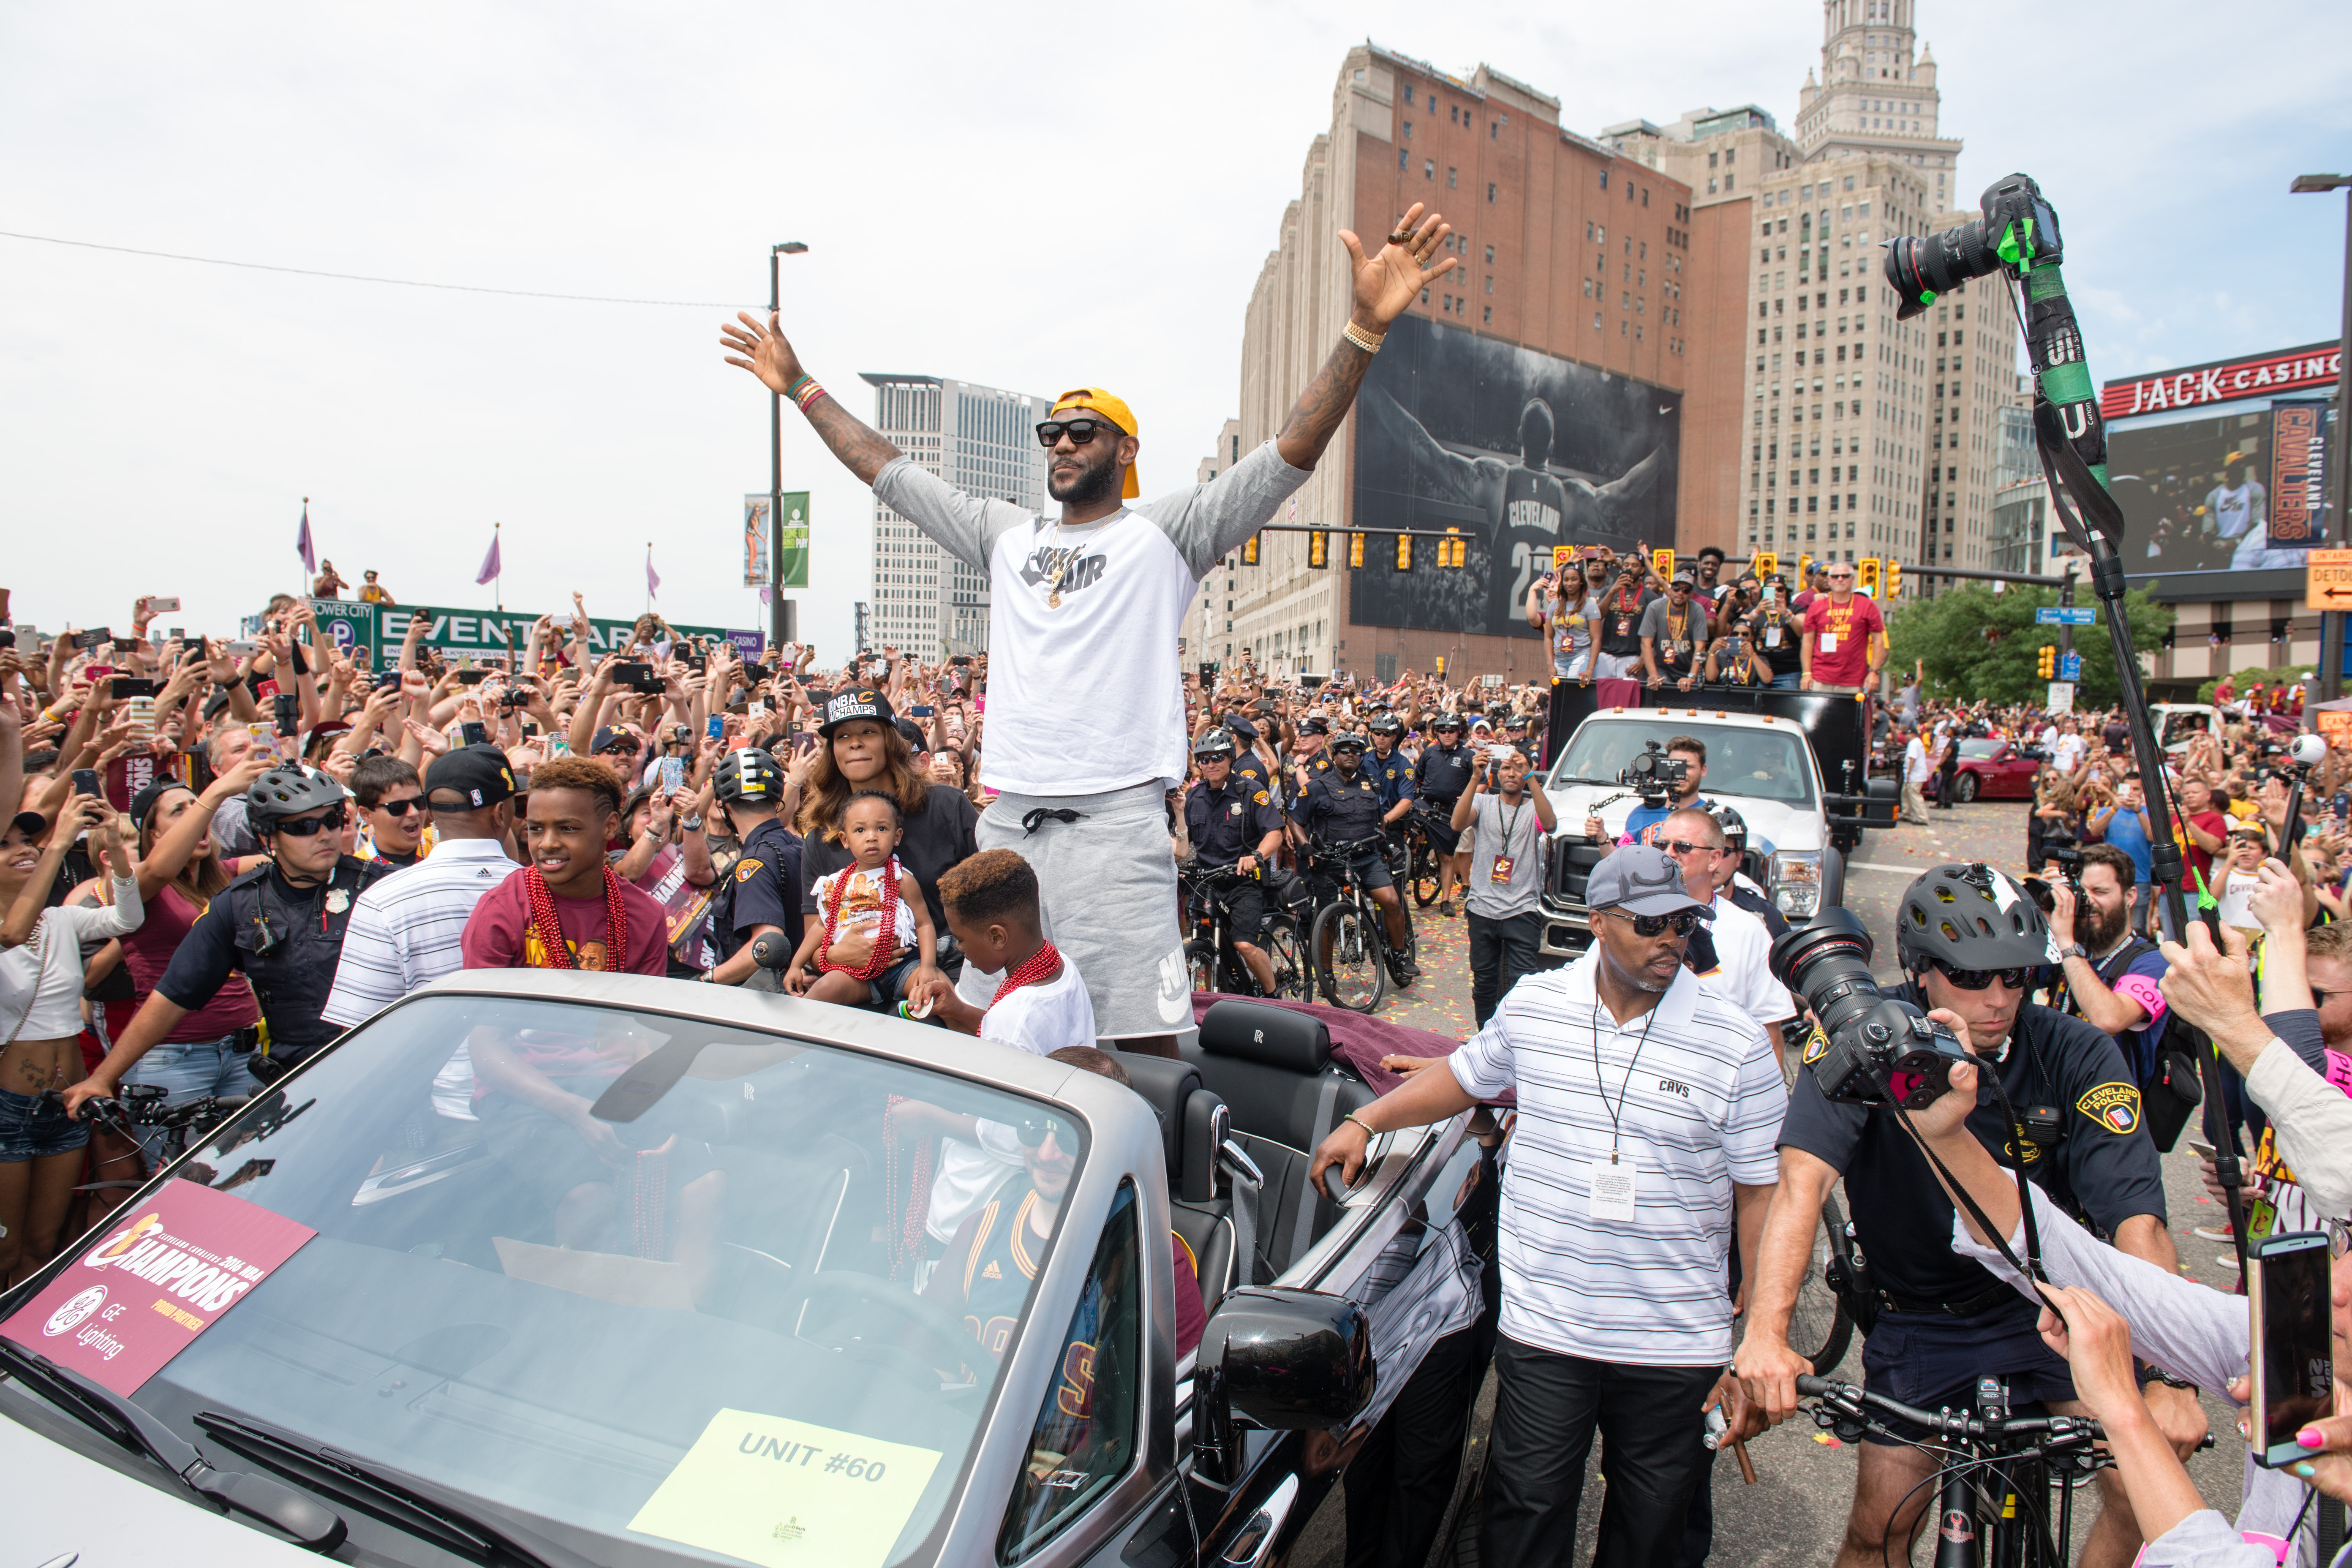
(1507, 823)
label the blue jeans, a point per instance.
(1787, 683)
(189, 1071)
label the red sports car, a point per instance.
(1991, 769)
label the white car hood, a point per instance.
(1782, 826)
(65, 1507)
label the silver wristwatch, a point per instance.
(2074, 950)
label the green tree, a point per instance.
(1977, 643)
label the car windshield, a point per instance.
(1766, 765)
(571, 1321)
(1981, 748)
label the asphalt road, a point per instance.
(1796, 1512)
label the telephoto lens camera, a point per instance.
(1654, 775)
(1865, 1039)
(2017, 223)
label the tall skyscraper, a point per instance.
(981, 439)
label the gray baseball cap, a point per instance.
(1641, 880)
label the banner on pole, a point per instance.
(755, 541)
(793, 554)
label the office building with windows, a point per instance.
(981, 439)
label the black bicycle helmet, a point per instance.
(1214, 744)
(1385, 724)
(1733, 826)
(748, 774)
(1969, 917)
(1348, 740)
(288, 791)
(1447, 722)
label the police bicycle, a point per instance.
(1413, 856)
(1995, 1473)
(1210, 956)
(1346, 942)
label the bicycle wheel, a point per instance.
(1293, 979)
(1349, 958)
(1819, 1327)
(1200, 963)
(1426, 880)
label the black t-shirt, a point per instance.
(1788, 657)
(1620, 621)
(758, 887)
(2104, 1162)
(937, 837)
(1444, 772)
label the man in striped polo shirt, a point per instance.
(1648, 1111)
(405, 930)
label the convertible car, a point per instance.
(561, 1269)
(1991, 770)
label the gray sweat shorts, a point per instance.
(1108, 885)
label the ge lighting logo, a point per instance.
(69, 1315)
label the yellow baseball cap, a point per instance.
(1110, 408)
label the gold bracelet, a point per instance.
(1369, 1131)
(1367, 340)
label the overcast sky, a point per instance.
(1029, 199)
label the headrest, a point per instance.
(1165, 1086)
(1272, 1036)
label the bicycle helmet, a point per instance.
(1444, 721)
(1733, 826)
(1348, 740)
(1385, 724)
(748, 774)
(288, 791)
(1970, 917)
(1214, 744)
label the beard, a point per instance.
(1090, 486)
(2105, 927)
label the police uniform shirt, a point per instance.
(2103, 1163)
(757, 889)
(285, 939)
(1230, 820)
(1444, 772)
(1342, 809)
(1394, 776)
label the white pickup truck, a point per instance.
(1758, 763)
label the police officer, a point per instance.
(1343, 806)
(762, 893)
(1439, 778)
(1740, 891)
(1390, 774)
(1236, 826)
(1514, 733)
(1969, 940)
(1310, 749)
(281, 924)
(1247, 764)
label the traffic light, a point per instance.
(1662, 561)
(1249, 551)
(1805, 570)
(1866, 577)
(1355, 550)
(2045, 661)
(1767, 562)
(1453, 549)
(1404, 551)
(1894, 581)
(1318, 549)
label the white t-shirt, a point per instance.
(1702, 1102)
(2067, 753)
(1085, 696)
(970, 1175)
(1041, 1019)
(861, 902)
(1915, 762)
(2237, 890)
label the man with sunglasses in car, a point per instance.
(281, 924)
(1972, 942)
(1086, 721)
(1647, 1105)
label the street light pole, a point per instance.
(2339, 462)
(783, 623)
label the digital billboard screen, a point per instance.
(1520, 450)
(2240, 488)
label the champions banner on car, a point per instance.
(169, 1270)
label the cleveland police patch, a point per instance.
(746, 871)
(2113, 1106)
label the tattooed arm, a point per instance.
(1386, 283)
(765, 354)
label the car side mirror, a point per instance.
(1282, 1360)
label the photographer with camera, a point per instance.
(1668, 784)
(2111, 975)
(1971, 942)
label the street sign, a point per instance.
(2062, 697)
(2070, 667)
(2327, 580)
(2074, 616)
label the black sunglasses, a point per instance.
(306, 827)
(1032, 1130)
(1080, 431)
(1680, 847)
(1977, 979)
(403, 806)
(1681, 922)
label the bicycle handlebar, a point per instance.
(1850, 1400)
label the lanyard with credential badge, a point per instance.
(1613, 1183)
